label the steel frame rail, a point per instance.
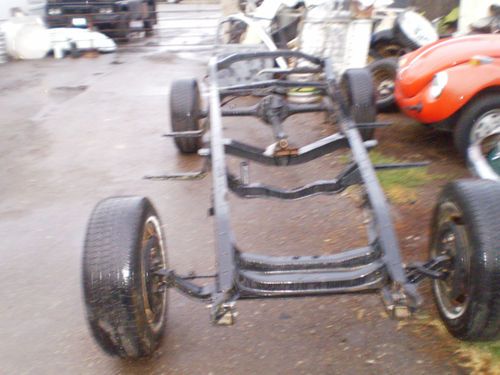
(376, 267)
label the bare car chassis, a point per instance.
(126, 297)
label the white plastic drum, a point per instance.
(32, 42)
(26, 38)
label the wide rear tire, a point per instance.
(126, 301)
(466, 227)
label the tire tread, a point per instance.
(184, 112)
(480, 202)
(360, 96)
(112, 304)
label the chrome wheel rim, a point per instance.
(485, 125)
(154, 291)
(384, 83)
(452, 294)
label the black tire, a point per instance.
(470, 126)
(466, 226)
(185, 113)
(384, 75)
(359, 95)
(384, 44)
(383, 51)
(121, 32)
(126, 306)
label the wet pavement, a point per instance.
(76, 131)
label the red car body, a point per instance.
(472, 64)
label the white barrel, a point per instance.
(26, 38)
(32, 42)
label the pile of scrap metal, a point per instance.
(411, 31)
(348, 32)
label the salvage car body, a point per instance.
(107, 15)
(436, 81)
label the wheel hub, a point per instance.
(485, 125)
(385, 88)
(452, 292)
(384, 83)
(154, 289)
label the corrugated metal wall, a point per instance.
(188, 25)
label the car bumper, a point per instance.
(464, 82)
(66, 20)
(423, 107)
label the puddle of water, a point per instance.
(67, 91)
(58, 95)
